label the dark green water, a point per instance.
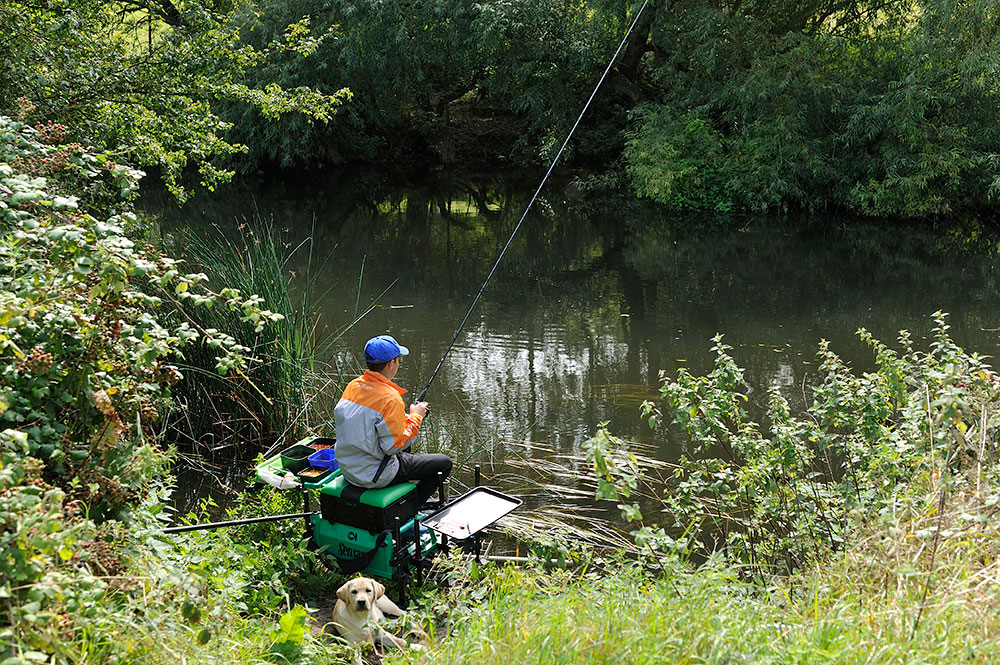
(596, 296)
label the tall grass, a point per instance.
(270, 402)
(890, 598)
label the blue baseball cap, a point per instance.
(383, 348)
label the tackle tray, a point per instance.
(296, 457)
(471, 513)
(273, 465)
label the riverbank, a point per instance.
(855, 528)
(893, 597)
(897, 595)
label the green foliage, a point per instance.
(886, 113)
(76, 592)
(675, 160)
(422, 73)
(288, 639)
(139, 79)
(89, 324)
(724, 106)
(254, 567)
(50, 570)
(782, 499)
(89, 321)
(859, 608)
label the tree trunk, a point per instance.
(626, 80)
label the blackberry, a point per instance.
(36, 361)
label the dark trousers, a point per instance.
(423, 468)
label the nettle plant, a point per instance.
(778, 497)
(89, 320)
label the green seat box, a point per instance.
(374, 510)
(348, 542)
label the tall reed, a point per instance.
(270, 401)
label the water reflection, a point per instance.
(596, 297)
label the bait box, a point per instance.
(318, 442)
(296, 457)
(309, 475)
(325, 458)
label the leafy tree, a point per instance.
(419, 69)
(139, 78)
(881, 108)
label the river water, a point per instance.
(595, 297)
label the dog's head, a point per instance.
(360, 594)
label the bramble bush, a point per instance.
(774, 499)
(90, 324)
(90, 321)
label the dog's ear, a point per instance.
(344, 591)
(379, 589)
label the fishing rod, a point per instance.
(423, 394)
(479, 295)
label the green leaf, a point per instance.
(293, 625)
(14, 660)
(288, 640)
(190, 611)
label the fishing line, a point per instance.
(532, 201)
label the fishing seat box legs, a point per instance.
(372, 509)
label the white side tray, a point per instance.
(471, 513)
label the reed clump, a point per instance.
(270, 403)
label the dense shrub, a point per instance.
(779, 497)
(90, 321)
(90, 324)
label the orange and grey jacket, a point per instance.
(372, 423)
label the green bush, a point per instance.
(779, 498)
(91, 324)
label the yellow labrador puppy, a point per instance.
(361, 604)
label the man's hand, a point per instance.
(420, 409)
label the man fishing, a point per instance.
(373, 428)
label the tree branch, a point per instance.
(164, 9)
